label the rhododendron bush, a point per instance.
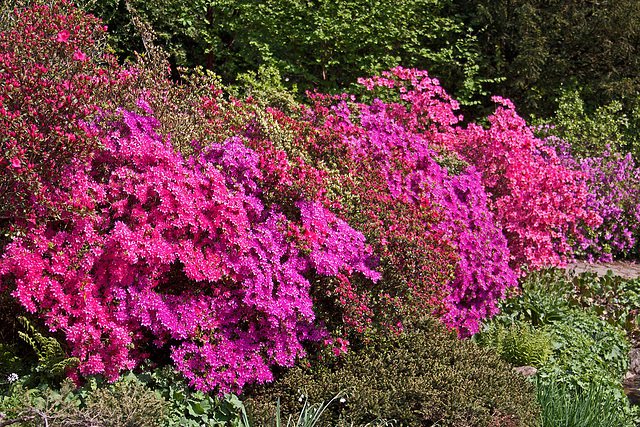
(537, 200)
(267, 235)
(613, 181)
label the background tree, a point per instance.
(323, 45)
(542, 47)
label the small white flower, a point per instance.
(300, 398)
(342, 400)
(13, 377)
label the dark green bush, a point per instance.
(425, 377)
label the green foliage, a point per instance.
(323, 45)
(590, 132)
(541, 47)
(266, 88)
(157, 397)
(541, 300)
(423, 377)
(53, 362)
(587, 349)
(612, 298)
(192, 408)
(520, 344)
(593, 407)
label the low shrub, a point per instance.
(425, 377)
(126, 403)
(586, 349)
(612, 298)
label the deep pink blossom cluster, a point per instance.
(539, 202)
(183, 254)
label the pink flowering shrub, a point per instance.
(614, 193)
(416, 262)
(47, 98)
(538, 201)
(180, 255)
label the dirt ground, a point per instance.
(628, 270)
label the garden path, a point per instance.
(626, 269)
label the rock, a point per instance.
(527, 371)
(634, 361)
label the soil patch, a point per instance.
(626, 269)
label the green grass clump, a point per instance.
(591, 407)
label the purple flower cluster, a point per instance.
(407, 160)
(614, 192)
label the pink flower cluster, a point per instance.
(538, 201)
(181, 255)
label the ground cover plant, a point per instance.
(581, 342)
(151, 221)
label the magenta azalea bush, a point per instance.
(267, 236)
(382, 145)
(179, 254)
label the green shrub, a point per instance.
(586, 348)
(425, 376)
(590, 133)
(126, 403)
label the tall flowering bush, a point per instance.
(307, 158)
(398, 148)
(539, 202)
(52, 79)
(536, 200)
(180, 255)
